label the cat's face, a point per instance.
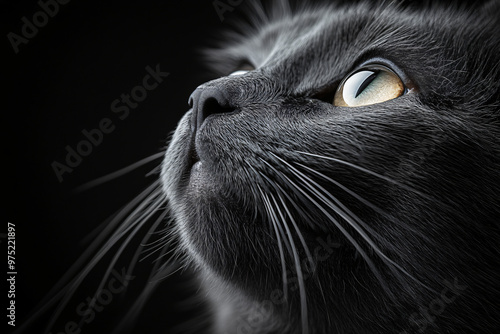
(367, 209)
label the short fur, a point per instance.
(406, 192)
(291, 215)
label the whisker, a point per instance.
(254, 192)
(139, 225)
(347, 190)
(299, 234)
(155, 170)
(161, 272)
(346, 214)
(301, 237)
(146, 215)
(158, 267)
(138, 305)
(135, 258)
(118, 173)
(388, 261)
(338, 207)
(62, 286)
(383, 177)
(163, 254)
(301, 212)
(267, 204)
(68, 291)
(298, 270)
(280, 229)
(164, 242)
(165, 234)
(356, 245)
(359, 198)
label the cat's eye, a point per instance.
(243, 69)
(369, 86)
(239, 72)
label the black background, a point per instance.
(62, 82)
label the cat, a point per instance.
(346, 177)
(342, 175)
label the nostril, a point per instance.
(211, 106)
(190, 101)
(206, 102)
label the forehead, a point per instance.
(331, 31)
(324, 44)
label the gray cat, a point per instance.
(341, 176)
(346, 177)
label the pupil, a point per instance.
(366, 83)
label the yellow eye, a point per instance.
(369, 86)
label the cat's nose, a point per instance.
(207, 101)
